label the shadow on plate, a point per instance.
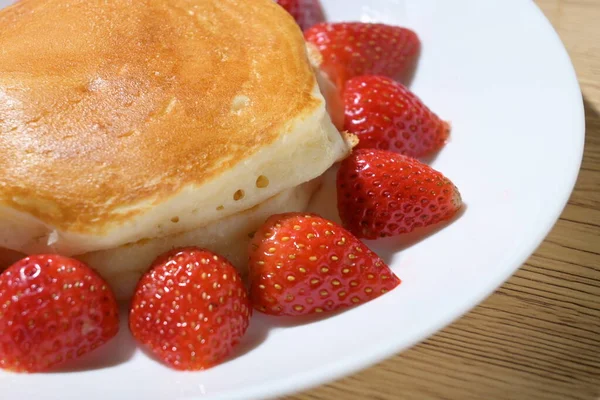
(256, 335)
(387, 248)
(324, 202)
(269, 322)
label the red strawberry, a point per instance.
(190, 309)
(303, 264)
(381, 193)
(306, 12)
(386, 115)
(52, 309)
(356, 48)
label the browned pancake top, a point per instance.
(108, 103)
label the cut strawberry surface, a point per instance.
(381, 194)
(354, 48)
(191, 309)
(52, 309)
(302, 264)
(386, 115)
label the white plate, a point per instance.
(498, 71)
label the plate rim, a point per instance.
(378, 352)
(353, 363)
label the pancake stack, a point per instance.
(129, 127)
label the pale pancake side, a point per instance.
(123, 266)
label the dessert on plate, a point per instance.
(165, 152)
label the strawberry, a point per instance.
(386, 115)
(52, 309)
(190, 309)
(381, 193)
(302, 264)
(356, 48)
(306, 12)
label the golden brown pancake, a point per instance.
(123, 266)
(122, 120)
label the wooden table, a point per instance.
(538, 337)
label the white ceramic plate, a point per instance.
(498, 71)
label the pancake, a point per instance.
(332, 94)
(123, 120)
(8, 257)
(123, 266)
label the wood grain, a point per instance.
(538, 336)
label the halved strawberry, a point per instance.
(352, 49)
(306, 12)
(386, 115)
(381, 193)
(52, 309)
(191, 309)
(302, 264)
